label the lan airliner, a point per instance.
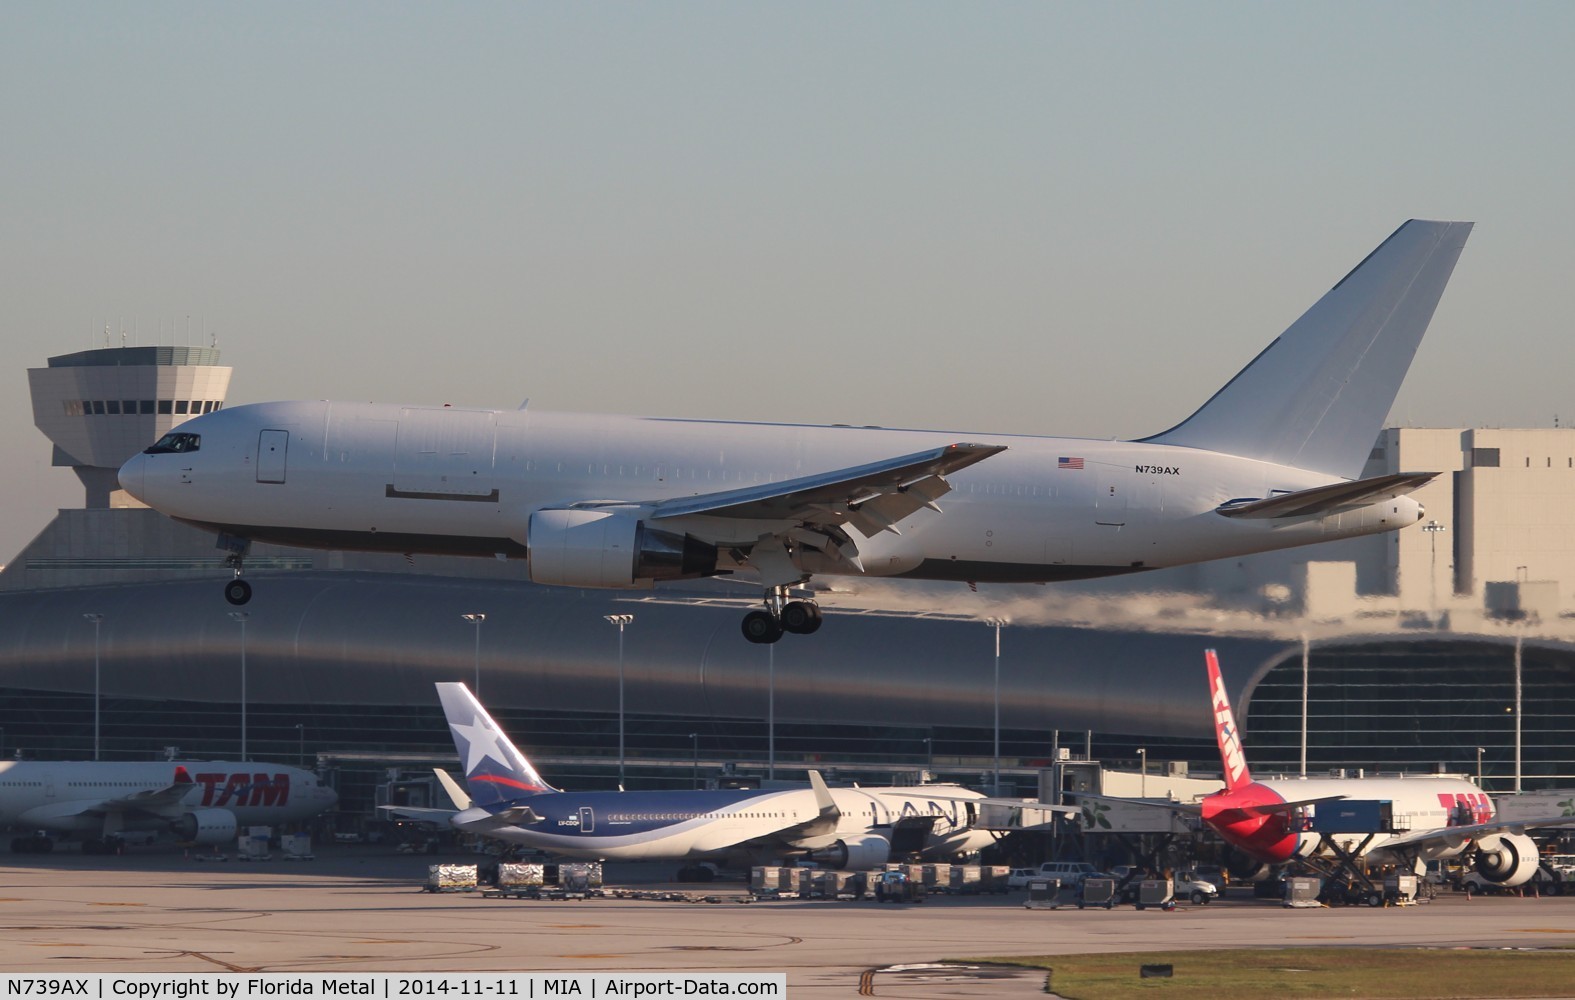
(1269, 462)
(505, 798)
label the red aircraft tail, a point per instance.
(1225, 732)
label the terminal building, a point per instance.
(1443, 646)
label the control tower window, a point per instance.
(166, 406)
(113, 405)
(180, 405)
(175, 442)
(146, 405)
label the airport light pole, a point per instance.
(1433, 528)
(694, 748)
(929, 756)
(300, 736)
(997, 624)
(241, 616)
(1479, 767)
(771, 711)
(97, 620)
(476, 618)
(1306, 668)
(1517, 713)
(620, 621)
(1143, 772)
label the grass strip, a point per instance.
(1257, 973)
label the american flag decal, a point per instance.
(1069, 463)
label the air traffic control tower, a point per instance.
(100, 407)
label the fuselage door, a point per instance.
(587, 819)
(272, 447)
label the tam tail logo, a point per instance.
(1225, 731)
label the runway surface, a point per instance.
(361, 909)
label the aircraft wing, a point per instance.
(1325, 499)
(872, 496)
(1454, 836)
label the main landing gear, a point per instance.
(781, 615)
(237, 591)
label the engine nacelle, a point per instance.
(855, 853)
(207, 826)
(1507, 859)
(610, 548)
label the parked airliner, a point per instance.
(1269, 462)
(1433, 817)
(505, 798)
(204, 802)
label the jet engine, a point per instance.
(206, 826)
(610, 548)
(1508, 859)
(855, 853)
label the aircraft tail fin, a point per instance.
(495, 770)
(1317, 397)
(1225, 731)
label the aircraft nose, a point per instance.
(132, 475)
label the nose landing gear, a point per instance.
(237, 591)
(781, 615)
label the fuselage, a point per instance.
(1422, 803)
(635, 826)
(460, 481)
(65, 796)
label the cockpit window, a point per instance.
(175, 442)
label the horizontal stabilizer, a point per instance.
(1327, 499)
(1185, 808)
(1274, 808)
(421, 814)
(479, 820)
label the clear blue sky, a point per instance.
(1067, 218)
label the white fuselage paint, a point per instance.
(66, 796)
(862, 812)
(1416, 804)
(425, 479)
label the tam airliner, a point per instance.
(202, 802)
(1271, 820)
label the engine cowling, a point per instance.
(207, 826)
(610, 548)
(855, 853)
(1507, 859)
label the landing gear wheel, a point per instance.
(759, 626)
(801, 617)
(237, 591)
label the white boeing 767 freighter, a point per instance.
(1269, 462)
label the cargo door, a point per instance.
(587, 819)
(272, 447)
(445, 454)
